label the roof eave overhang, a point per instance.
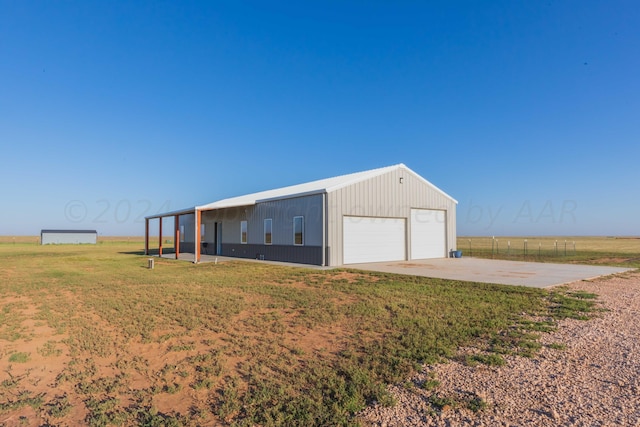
(173, 213)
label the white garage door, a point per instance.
(428, 234)
(367, 239)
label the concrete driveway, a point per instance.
(520, 273)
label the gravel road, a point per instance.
(594, 381)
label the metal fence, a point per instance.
(510, 247)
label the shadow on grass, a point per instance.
(140, 252)
(151, 252)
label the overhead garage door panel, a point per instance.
(367, 239)
(428, 234)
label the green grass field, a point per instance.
(89, 335)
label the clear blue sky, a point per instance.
(528, 113)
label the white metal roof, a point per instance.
(314, 187)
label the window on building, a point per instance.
(202, 231)
(182, 233)
(298, 230)
(243, 231)
(267, 231)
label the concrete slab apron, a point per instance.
(520, 273)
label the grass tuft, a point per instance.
(476, 404)
(49, 349)
(430, 383)
(565, 305)
(558, 346)
(485, 359)
(442, 403)
(19, 357)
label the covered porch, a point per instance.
(174, 251)
(191, 239)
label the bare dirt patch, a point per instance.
(352, 277)
(318, 340)
(586, 374)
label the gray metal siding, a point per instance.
(281, 212)
(285, 253)
(385, 196)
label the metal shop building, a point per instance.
(386, 214)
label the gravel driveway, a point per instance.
(594, 381)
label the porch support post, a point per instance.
(146, 236)
(198, 221)
(176, 234)
(160, 237)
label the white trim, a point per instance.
(429, 184)
(173, 213)
(324, 229)
(195, 236)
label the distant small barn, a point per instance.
(68, 237)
